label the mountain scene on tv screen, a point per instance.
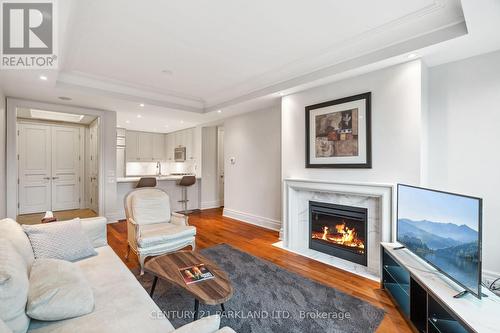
(452, 248)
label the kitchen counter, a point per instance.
(134, 179)
(166, 183)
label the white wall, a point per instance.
(3, 189)
(252, 190)
(396, 126)
(464, 134)
(209, 181)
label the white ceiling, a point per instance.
(187, 59)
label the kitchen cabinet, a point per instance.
(132, 149)
(170, 146)
(184, 138)
(158, 147)
(145, 147)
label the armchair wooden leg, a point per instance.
(128, 252)
(141, 263)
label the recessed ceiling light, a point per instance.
(127, 121)
(64, 98)
(141, 105)
(412, 55)
(182, 121)
(139, 116)
(219, 111)
(43, 78)
(166, 125)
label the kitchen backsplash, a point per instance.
(149, 168)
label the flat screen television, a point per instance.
(444, 229)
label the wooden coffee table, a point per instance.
(212, 292)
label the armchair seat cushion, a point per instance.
(155, 234)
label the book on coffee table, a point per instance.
(196, 273)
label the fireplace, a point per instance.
(339, 231)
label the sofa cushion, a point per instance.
(208, 324)
(225, 330)
(4, 328)
(12, 230)
(121, 303)
(59, 240)
(58, 290)
(154, 234)
(13, 287)
(150, 206)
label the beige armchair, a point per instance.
(152, 229)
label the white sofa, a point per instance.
(121, 303)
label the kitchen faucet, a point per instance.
(158, 168)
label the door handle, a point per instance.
(46, 178)
(55, 177)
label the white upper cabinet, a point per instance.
(145, 147)
(188, 137)
(170, 146)
(152, 147)
(158, 147)
(132, 148)
(184, 138)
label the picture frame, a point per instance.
(338, 133)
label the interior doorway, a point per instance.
(57, 164)
(220, 163)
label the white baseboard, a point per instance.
(253, 219)
(210, 204)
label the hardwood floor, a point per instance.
(213, 229)
(60, 215)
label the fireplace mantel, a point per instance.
(378, 198)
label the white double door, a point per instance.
(49, 167)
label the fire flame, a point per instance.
(342, 235)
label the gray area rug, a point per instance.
(268, 298)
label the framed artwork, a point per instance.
(338, 133)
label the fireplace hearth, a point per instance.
(339, 231)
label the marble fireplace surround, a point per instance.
(378, 198)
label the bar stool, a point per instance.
(146, 182)
(185, 182)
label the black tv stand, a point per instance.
(429, 301)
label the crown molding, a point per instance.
(136, 93)
(351, 67)
(367, 48)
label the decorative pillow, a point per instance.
(59, 240)
(13, 287)
(150, 206)
(58, 290)
(14, 232)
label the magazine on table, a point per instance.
(196, 273)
